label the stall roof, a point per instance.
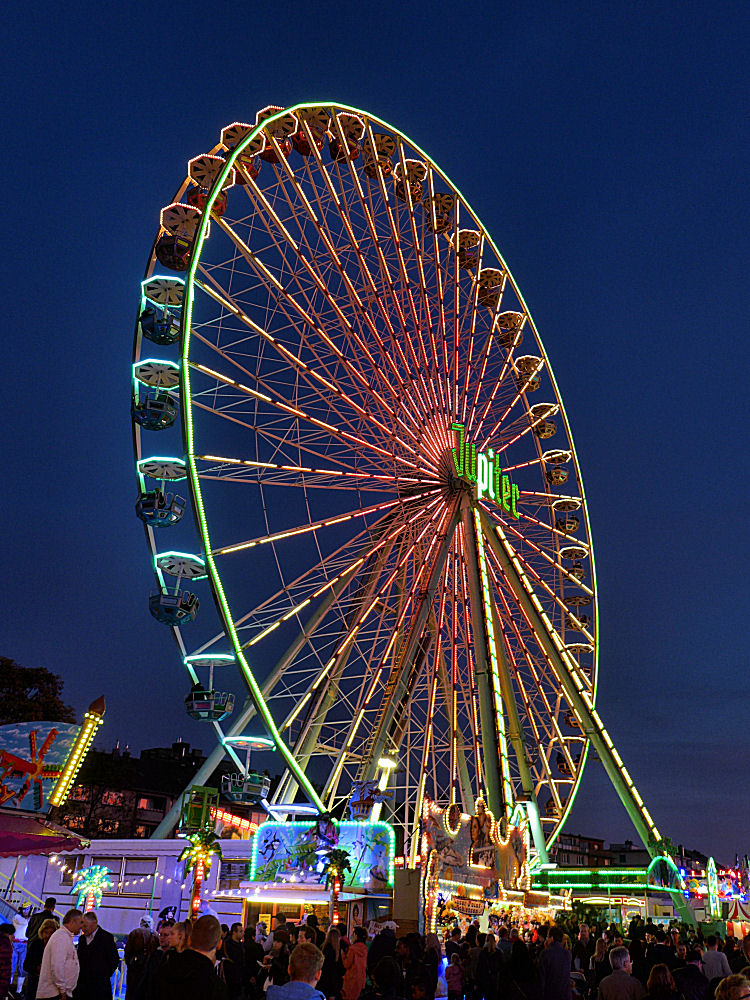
(23, 832)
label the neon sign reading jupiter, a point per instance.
(485, 471)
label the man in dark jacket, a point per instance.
(37, 919)
(98, 959)
(190, 975)
(690, 980)
(233, 965)
(554, 967)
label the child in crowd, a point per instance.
(454, 978)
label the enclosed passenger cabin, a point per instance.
(158, 509)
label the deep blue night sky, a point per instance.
(606, 149)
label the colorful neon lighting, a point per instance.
(489, 620)
(76, 756)
(341, 825)
(483, 470)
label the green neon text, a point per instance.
(484, 471)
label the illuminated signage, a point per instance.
(483, 470)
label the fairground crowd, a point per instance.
(206, 960)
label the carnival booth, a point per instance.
(477, 867)
(738, 919)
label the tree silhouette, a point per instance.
(31, 694)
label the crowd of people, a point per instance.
(206, 960)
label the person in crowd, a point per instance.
(488, 969)
(222, 940)
(37, 919)
(354, 960)
(332, 971)
(157, 958)
(137, 950)
(736, 987)
(191, 974)
(638, 959)
(599, 964)
(387, 981)
(20, 940)
(279, 922)
(383, 946)
(6, 957)
(620, 984)
(661, 984)
(58, 975)
(233, 963)
(715, 964)
(433, 956)
(179, 935)
(741, 957)
(276, 962)
(454, 978)
(554, 967)
(583, 949)
(33, 962)
(504, 944)
(680, 952)
(253, 960)
(316, 936)
(305, 965)
(659, 952)
(98, 960)
(474, 953)
(522, 972)
(453, 944)
(689, 980)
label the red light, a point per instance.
(399, 861)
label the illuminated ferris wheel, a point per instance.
(390, 513)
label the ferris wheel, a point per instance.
(393, 547)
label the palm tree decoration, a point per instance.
(336, 862)
(90, 884)
(198, 854)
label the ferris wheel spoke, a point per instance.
(307, 321)
(398, 241)
(419, 601)
(499, 383)
(330, 693)
(278, 442)
(543, 688)
(322, 286)
(317, 382)
(371, 234)
(304, 528)
(327, 236)
(279, 405)
(313, 590)
(549, 591)
(550, 559)
(327, 402)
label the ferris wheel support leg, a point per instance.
(398, 695)
(518, 741)
(248, 712)
(496, 797)
(316, 716)
(579, 699)
(464, 781)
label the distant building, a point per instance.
(118, 795)
(571, 850)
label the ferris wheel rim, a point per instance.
(193, 476)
